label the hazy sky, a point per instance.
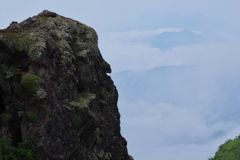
(101, 14)
(199, 121)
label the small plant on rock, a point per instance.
(5, 118)
(31, 85)
(31, 117)
(9, 152)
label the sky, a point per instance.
(173, 113)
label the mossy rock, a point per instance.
(34, 44)
(5, 118)
(81, 101)
(8, 43)
(10, 72)
(31, 42)
(31, 117)
(31, 85)
(9, 152)
(79, 119)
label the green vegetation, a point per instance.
(31, 85)
(78, 120)
(31, 117)
(37, 46)
(230, 150)
(10, 72)
(31, 42)
(5, 118)
(9, 152)
(8, 43)
(82, 101)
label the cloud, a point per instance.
(118, 50)
(164, 131)
(203, 104)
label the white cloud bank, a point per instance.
(118, 50)
(165, 131)
(202, 113)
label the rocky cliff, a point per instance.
(55, 93)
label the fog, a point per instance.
(183, 101)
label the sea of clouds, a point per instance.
(181, 102)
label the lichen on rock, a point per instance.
(54, 91)
(82, 101)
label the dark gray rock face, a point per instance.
(55, 93)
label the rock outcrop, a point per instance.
(55, 93)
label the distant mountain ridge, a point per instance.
(167, 40)
(134, 86)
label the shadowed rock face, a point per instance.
(55, 93)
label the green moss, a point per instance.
(80, 49)
(63, 31)
(31, 85)
(31, 117)
(78, 120)
(63, 44)
(83, 53)
(65, 50)
(8, 43)
(36, 51)
(5, 118)
(34, 44)
(59, 35)
(90, 34)
(29, 41)
(82, 101)
(230, 150)
(9, 152)
(10, 72)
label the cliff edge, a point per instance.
(55, 93)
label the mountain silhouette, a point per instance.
(167, 40)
